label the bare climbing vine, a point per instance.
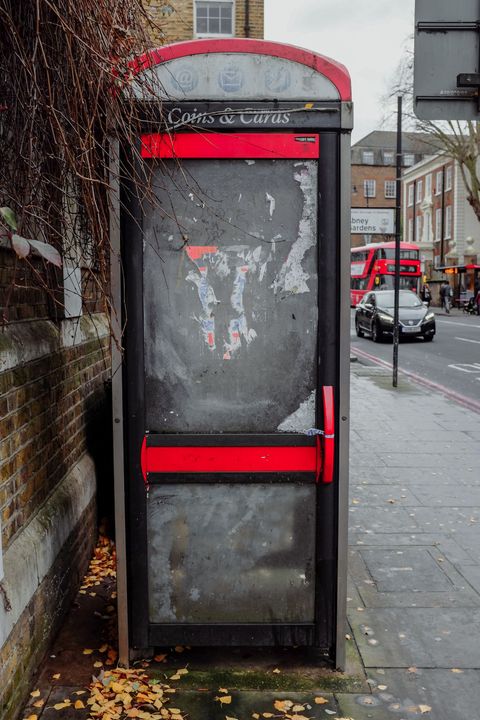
(63, 67)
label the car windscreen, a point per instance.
(386, 299)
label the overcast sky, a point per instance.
(365, 35)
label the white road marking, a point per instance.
(468, 340)
(467, 367)
(454, 322)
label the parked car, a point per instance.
(374, 315)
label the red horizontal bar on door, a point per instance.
(230, 145)
(229, 459)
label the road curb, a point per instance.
(456, 397)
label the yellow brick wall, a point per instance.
(179, 25)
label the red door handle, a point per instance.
(328, 434)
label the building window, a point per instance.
(419, 191)
(390, 189)
(408, 159)
(410, 230)
(367, 157)
(448, 222)
(428, 185)
(388, 157)
(410, 194)
(418, 228)
(369, 188)
(438, 225)
(448, 178)
(438, 183)
(214, 18)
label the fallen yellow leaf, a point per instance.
(255, 715)
(224, 690)
(224, 699)
(276, 671)
(98, 663)
(87, 651)
(62, 705)
(78, 705)
(103, 648)
(175, 677)
(298, 708)
(79, 692)
(160, 658)
(228, 717)
(321, 700)
(39, 703)
(182, 671)
(424, 709)
(35, 693)
(456, 670)
(267, 715)
(283, 705)
(179, 648)
(56, 676)
(31, 717)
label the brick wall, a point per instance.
(55, 440)
(42, 617)
(48, 413)
(179, 24)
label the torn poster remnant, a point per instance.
(213, 265)
(292, 278)
(303, 417)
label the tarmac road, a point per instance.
(452, 360)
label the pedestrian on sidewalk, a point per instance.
(426, 294)
(446, 294)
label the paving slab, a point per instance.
(380, 495)
(424, 637)
(410, 569)
(406, 694)
(434, 494)
(389, 519)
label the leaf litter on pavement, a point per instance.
(117, 693)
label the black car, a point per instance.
(374, 315)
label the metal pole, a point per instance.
(398, 208)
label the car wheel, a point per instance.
(377, 334)
(359, 332)
(428, 338)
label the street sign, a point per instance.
(372, 221)
(446, 67)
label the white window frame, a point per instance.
(213, 35)
(418, 228)
(438, 224)
(448, 222)
(410, 195)
(428, 185)
(390, 155)
(370, 155)
(448, 178)
(438, 182)
(372, 184)
(390, 186)
(410, 161)
(410, 230)
(419, 197)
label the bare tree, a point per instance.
(456, 139)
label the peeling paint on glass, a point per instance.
(230, 338)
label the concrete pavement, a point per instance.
(414, 593)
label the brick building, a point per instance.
(374, 171)
(438, 218)
(186, 19)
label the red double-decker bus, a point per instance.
(373, 268)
